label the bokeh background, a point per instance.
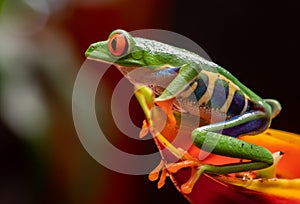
(42, 45)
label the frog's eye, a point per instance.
(118, 44)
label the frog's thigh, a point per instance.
(210, 138)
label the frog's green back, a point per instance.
(158, 54)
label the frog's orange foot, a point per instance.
(154, 175)
(188, 162)
(187, 187)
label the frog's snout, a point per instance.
(90, 49)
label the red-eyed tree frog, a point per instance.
(205, 89)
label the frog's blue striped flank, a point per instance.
(238, 104)
(213, 91)
(216, 92)
(219, 94)
(201, 88)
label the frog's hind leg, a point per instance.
(211, 139)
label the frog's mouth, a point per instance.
(143, 75)
(124, 70)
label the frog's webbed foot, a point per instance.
(187, 161)
(154, 175)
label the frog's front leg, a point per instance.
(187, 73)
(146, 99)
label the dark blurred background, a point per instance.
(42, 45)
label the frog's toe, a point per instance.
(145, 129)
(154, 175)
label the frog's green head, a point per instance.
(119, 49)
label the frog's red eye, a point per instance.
(118, 44)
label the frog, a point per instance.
(205, 90)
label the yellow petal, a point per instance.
(286, 142)
(288, 188)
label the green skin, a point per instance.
(154, 55)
